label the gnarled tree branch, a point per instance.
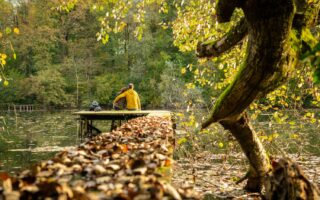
(306, 15)
(225, 9)
(230, 39)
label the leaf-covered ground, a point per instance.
(132, 162)
(215, 175)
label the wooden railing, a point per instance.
(22, 107)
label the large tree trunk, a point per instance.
(253, 149)
(268, 63)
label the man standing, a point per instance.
(132, 98)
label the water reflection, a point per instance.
(27, 138)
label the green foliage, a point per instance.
(65, 41)
(6, 32)
(175, 93)
(48, 86)
(119, 15)
(171, 87)
(107, 86)
(313, 56)
(12, 92)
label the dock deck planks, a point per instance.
(86, 118)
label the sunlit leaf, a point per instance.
(183, 70)
(105, 39)
(6, 83)
(292, 122)
(8, 30)
(16, 31)
(182, 140)
(276, 117)
(263, 137)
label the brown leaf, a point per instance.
(172, 191)
(77, 168)
(103, 187)
(12, 195)
(98, 169)
(104, 179)
(142, 197)
(140, 171)
(114, 167)
(4, 176)
(7, 185)
(30, 188)
(161, 157)
(44, 173)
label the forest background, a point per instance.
(52, 56)
(58, 61)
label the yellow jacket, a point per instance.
(132, 98)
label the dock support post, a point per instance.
(89, 128)
(85, 128)
(80, 131)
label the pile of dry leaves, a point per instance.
(132, 162)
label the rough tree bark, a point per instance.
(269, 62)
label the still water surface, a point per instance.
(27, 138)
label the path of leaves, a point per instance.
(132, 162)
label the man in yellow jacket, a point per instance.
(132, 98)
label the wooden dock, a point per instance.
(86, 118)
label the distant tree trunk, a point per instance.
(89, 75)
(269, 61)
(77, 80)
(16, 20)
(127, 45)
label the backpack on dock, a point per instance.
(94, 106)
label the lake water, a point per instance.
(27, 138)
